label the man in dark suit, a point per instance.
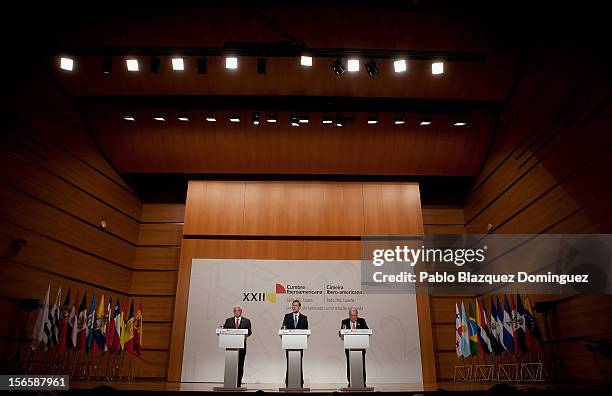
(295, 320)
(354, 322)
(239, 322)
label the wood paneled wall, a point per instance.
(56, 188)
(292, 220)
(548, 171)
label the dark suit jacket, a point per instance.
(230, 323)
(302, 322)
(361, 323)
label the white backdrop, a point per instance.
(217, 285)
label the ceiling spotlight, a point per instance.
(353, 65)
(295, 122)
(211, 117)
(304, 119)
(327, 119)
(234, 117)
(371, 68)
(178, 64)
(183, 116)
(66, 63)
(399, 66)
(231, 62)
(425, 120)
(132, 64)
(271, 118)
(107, 65)
(339, 120)
(372, 119)
(261, 65)
(437, 68)
(399, 120)
(460, 121)
(306, 60)
(256, 119)
(201, 65)
(129, 116)
(337, 67)
(154, 64)
(159, 116)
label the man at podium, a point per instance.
(295, 320)
(353, 322)
(239, 322)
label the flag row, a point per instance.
(511, 327)
(102, 325)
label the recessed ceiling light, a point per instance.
(271, 118)
(425, 120)
(304, 119)
(294, 121)
(437, 68)
(327, 119)
(372, 119)
(132, 64)
(231, 62)
(128, 116)
(339, 120)
(234, 117)
(160, 116)
(399, 66)
(256, 119)
(211, 117)
(337, 67)
(306, 60)
(66, 63)
(107, 65)
(178, 64)
(353, 65)
(460, 123)
(399, 119)
(183, 116)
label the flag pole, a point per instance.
(121, 366)
(100, 363)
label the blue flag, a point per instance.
(508, 330)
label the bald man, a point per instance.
(239, 322)
(354, 322)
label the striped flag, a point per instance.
(494, 329)
(473, 332)
(508, 330)
(39, 335)
(63, 322)
(91, 316)
(54, 318)
(73, 325)
(533, 337)
(81, 337)
(458, 331)
(465, 340)
(484, 342)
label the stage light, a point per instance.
(261, 65)
(399, 120)
(295, 122)
(234, 117)
(128, 116)
(256, 119)
(399, 66)
(460, 121)
(271, 118)
(154, 63)
(107, 65)
(327, 119)
(437, 68)
(304, 119)
(160, 116)
(132, 64)
(372, 119)
(306, 60)
(339, 120)
(353, 65)
(66, 63)
(425, 120)
(371, 68)
(183, 116)
(211, 117)
(201, 65)
(337, 67)
(231, 62)
(178, 64)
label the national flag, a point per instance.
(473, 331)
(520, 333)
(128, 331)
(533, 337)
(63, 322)
(90, 324)
(500, 323)
(508, 330)
(494, 329)
(54, 317)
(123, 320)
(458, 331)
(99, 328)
(138, 331)
(117, 323)
(38, 334)
(73, 324)
(465, 340)
(81, 336)
(484, 343)
(110, 326)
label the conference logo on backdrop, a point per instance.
(264, 296)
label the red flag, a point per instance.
(138, 331)
(82, 324)
(63, 322)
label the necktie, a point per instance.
(354, 324)
(295, 320)
(237, 323)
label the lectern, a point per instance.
(294, 342)
(231, 340)
(356, 341)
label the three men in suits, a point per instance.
(239, 322)
(354, 322)
(295, 320)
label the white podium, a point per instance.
(294, 342)
(356, 341)
(231, 340)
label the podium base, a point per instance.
(294, 389)
(228, 389)
(356, 389)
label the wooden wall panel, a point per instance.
(156, 234)
(158, 308)
(159, 283)
(162, 213)
(157, 257)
